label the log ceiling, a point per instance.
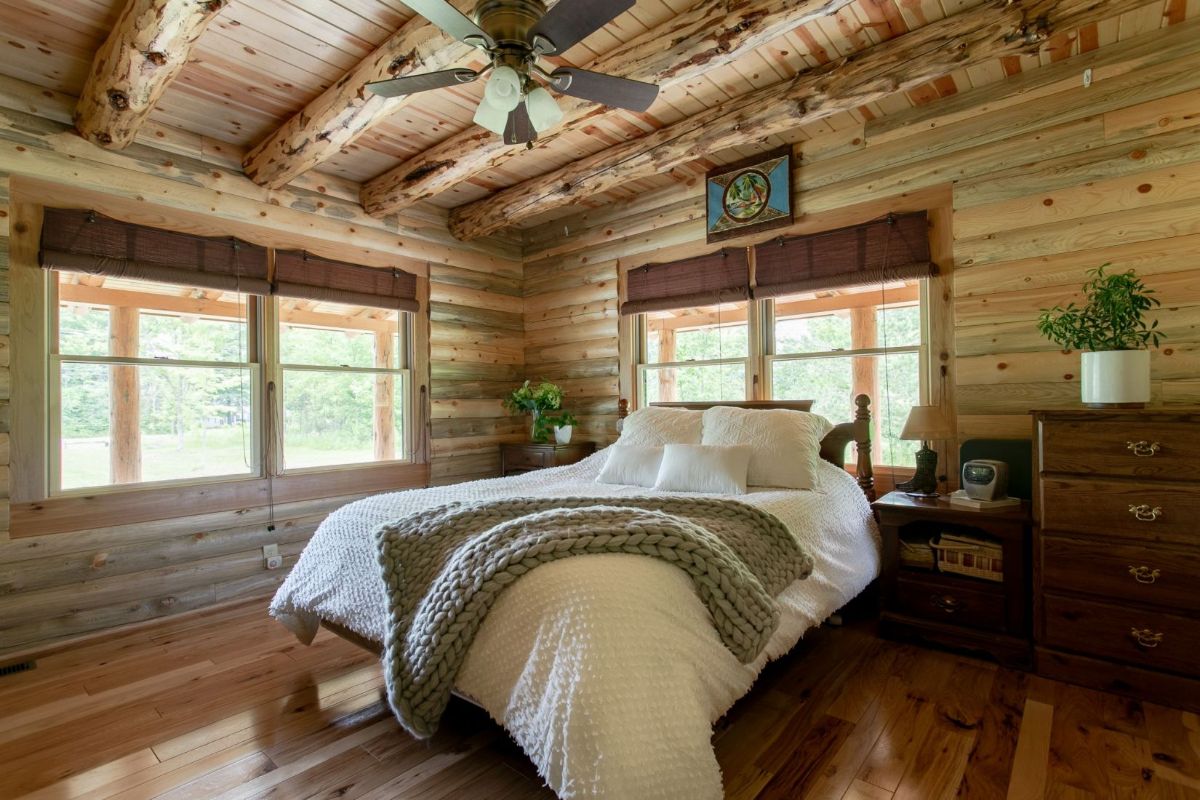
(280, 81)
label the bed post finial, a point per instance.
(622, 408)
(865, 474)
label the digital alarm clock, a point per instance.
(985, 479)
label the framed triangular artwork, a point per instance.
(750, 196)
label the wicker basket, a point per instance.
(917, 554)
(967, 555)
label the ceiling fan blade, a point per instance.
(519, 129)
(410, 84)
(606, 89)
(572, 21)
(451, 20)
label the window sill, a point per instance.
(86, 512)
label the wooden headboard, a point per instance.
(833, 446)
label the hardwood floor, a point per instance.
(230, 706)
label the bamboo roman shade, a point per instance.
(892, 249)
(300, 274)
(84, 241)
(720, 277)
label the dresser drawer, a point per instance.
(1126, 633)
(527, 458)
(974, 608)
(1147, 511)
(1145, 574)
(1130, 448)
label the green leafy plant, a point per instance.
(1114, 317)
(536, 400)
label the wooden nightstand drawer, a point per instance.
(980, 607)
(518, 457)
(525, 458)
(1131, 448)
(1139, 509)
(1140, 573)
(1122, 632)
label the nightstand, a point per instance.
(519, 457)
(950, 609)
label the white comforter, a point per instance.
(605, 669)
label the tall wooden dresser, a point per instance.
(1117, 551)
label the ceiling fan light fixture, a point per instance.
(544, 111)
(490, 117)
(503, 89)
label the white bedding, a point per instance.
(605, 669)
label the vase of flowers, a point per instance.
(1114, 336)
(535, 401)
(564, 426)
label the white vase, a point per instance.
(562, 434)
(1115, 378)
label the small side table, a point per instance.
(520, 457)
(949, 609)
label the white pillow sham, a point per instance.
(630, 465)
(703, 468)
(655, 426)
(786, 445)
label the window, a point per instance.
(342, 377)
(824, 346)
(150, 382)
(695, 354)
(830, 346)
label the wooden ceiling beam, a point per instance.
(346, 110)
(967, 39)
(143, 54)
(707, 36)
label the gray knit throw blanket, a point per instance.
(444, 568)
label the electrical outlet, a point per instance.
(1087, 78)
(274, 562)
(271, 556)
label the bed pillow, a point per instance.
(786, 445)
(655, 426)
(630, 465)
(703, 468)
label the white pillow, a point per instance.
(631, 466)
(655, 426)
(703, 468)
(786, 444)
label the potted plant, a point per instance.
(563, 425)
(1114, 335)
(535, 401)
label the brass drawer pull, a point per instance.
(1144, 574)
(1145, 513)
(946, 602)
(1143, 449)
(1144, 637)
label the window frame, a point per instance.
(54, 362)
(275, 390)
(641, 348)
(266, 397)
(761, 358)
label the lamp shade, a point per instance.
(503, 89)
(544, 112)
(927, 423)
(490, 117)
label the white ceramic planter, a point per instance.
(1116, 377)
(562, 435)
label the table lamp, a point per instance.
(925, 424)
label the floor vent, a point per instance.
(20, 666)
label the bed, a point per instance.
(606, 670)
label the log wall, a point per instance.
(1037, 177)
(58, 586)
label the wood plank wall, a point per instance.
(60, 586)
(1048, 179)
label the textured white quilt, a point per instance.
(605, 669)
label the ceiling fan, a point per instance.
(516, 34)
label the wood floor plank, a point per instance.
(229, 707)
